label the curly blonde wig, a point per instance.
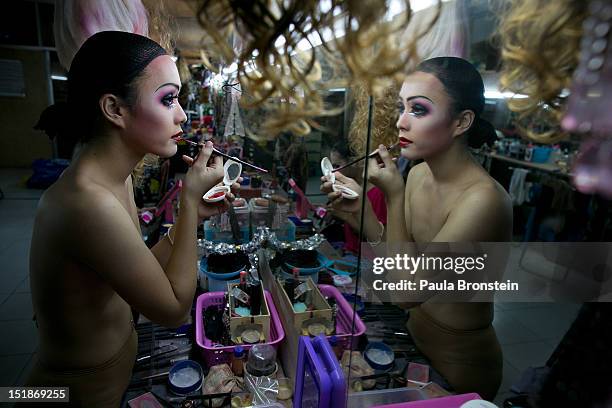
(384, 117)
(266, 39)
(540, 43)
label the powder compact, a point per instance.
(232, 171)
(328, 170)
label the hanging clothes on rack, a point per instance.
(517, 189)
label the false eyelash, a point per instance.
(168, 100)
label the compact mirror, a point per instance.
(328, 170)
(232, 171)
(231, 174)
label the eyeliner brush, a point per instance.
(227, 156)
(373, 154)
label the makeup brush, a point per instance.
(373, 154)
(227, 156)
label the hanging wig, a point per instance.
(107, 62)
(540, 40)
(75, 21)
(273, 43)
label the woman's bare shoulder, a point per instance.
(72, 201)
(489, 191)
(417, 171)
(415, 176)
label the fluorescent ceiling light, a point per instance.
(503, 95)
(416, 5)
(59, 77)
(395, 7)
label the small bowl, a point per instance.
(180, 387)
(342, 280)
(379, 356)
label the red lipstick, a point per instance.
(403, 142)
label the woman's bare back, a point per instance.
(81, 318)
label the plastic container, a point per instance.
(325, 352)
(261, 360)
(451, 401)
(185, 377)
(259, 215)
(379, 356)
(344, 319)
(478, 403)
(313, 387)
(541, 154)
(369, 399)
(242, 211)
(306, 272)
(217, 282)
(214, 232)
(238, 361)
(285, 232)
(216, 354)
(342, 280)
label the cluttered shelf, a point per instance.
(553, 168)
(547, 167)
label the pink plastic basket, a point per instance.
(215, 354)
(344, 318)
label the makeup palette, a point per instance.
(232, 171)
(328, 170)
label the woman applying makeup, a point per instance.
(447, 198)
(340, 156)
(88, 262)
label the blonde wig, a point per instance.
(272, 42)
(540, 43)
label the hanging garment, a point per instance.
(517, 188)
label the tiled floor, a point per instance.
(18, 341)
(528, 332)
